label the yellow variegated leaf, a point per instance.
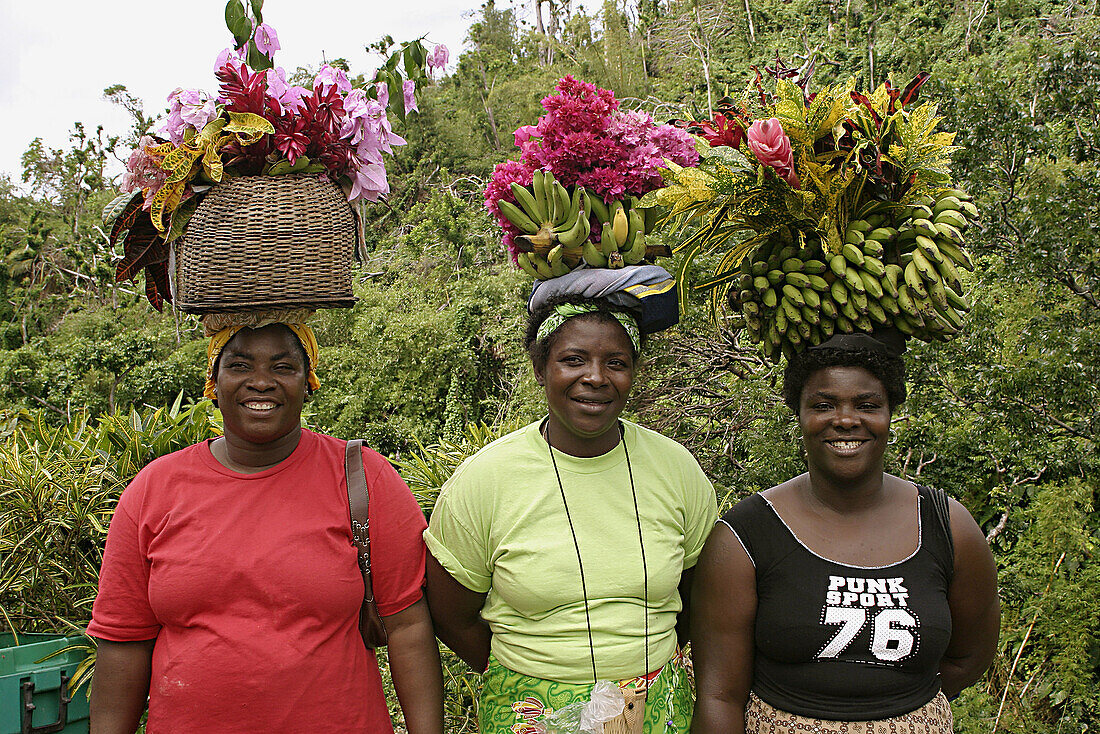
(700, 191)
(248, 127)
(180, 217)
(211, 131)
(212, 162)
(164, 202)
(880, 100)
(789, 96)
(179, 162)
(669, 195)
(161, 150)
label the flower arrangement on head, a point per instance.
(833, 210)
(572, 199)
(257, 125)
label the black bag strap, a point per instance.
(942, 510)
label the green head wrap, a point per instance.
(566, 311)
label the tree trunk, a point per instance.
(540, 27)
(485, 103)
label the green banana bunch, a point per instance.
(895, 265)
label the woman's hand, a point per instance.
(456, 612)
(120, 685)
(723, 614)
(975, 608)
(414, 665)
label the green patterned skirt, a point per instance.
(513, 703)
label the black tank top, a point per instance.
(842, 642)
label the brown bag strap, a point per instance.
(370, 623)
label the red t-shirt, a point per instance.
(250, 586)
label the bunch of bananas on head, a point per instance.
(898, 267)
(558, 234)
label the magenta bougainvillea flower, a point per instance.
(266, 39)
(289, 97)
(772, 147)
(499, 188)
(584, 138)
(340, 128)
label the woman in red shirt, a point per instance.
(229, 593)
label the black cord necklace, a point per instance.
(580, 563)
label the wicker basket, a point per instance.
(262, 242)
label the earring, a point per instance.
(892, 437)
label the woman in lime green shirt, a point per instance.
(558, 553)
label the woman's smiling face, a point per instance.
(587, 378)
(261, 384)
(845, 420)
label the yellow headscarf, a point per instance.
(221, 338)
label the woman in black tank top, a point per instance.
(845, 599)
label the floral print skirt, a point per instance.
(513, 703)
(933, 717)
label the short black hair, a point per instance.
(539, 351)
(887, 369)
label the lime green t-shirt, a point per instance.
(499, 526)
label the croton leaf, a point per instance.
(180, 217)
(138, 249)
(151, 291)
(248, 127)
(117, 206)
(157, 287)
(165, 202)
(126, 218)
(909, 94)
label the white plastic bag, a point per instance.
(607, 703)
(585, 717)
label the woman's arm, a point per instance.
(683, 619)
(723, 614)
(120, 685)
(414, 665)
(975, 608)
(456, 613)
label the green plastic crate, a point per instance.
(34, 696)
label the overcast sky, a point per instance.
(57, 56)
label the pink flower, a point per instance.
(289, 97)
(500, 188)
(409, 88)
(369, 182)
(187, 108)
(228, 55)
(772, 147)
(382, 91)
(585, 139)
(438, 57)
(142, 172)
(267, 40)
(329, 76)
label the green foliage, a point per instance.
(58, 490)
(1004, 418)
(437, 318)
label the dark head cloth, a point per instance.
(647, 290)
(890, 342)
